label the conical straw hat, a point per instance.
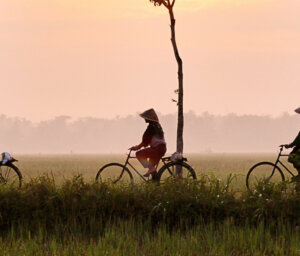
(297, 110)
(150, 115)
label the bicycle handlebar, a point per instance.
(281, 149)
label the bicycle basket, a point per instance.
(6, 158)
(176, 157)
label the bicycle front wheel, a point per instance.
(114, 172)
(168, 172)
(263, 172)
(10, 174)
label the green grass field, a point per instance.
(129, 238)
(57, 212)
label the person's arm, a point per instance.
(296, 142)
(148, 134)
(137, 147)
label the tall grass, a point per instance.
(78, 206)
(207, 217)
(136, 238)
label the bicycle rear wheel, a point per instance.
(263, 172)
(9, 174)
(168, 172)
(114, 172)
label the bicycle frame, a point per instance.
(164, 160)
(281, 163)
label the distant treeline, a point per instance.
(202, 133)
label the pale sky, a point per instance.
(108, 58)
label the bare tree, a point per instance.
(169, 4)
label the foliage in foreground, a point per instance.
(129, 238)
(86, 208)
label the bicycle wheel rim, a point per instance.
(168, 172)
(263, 173)
(113, 173)
(10, 176)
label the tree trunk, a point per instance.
(180, 88)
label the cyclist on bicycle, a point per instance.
(153, 142)
(294, 156)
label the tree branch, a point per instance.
(166, 4)
(173, 2)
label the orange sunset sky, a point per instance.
(108, 58)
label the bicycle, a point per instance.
(10, 173)
(265, 171)
(116, 172)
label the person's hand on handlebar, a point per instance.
(134, 148)
(137, 147)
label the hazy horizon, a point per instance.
(136, 115)
(204, 133)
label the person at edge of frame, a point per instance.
(294, 156)
(153, 142)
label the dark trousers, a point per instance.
(149, 157)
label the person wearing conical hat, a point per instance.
(294, 156)
(153, 143)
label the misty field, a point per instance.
(66, 166)
(58, 211)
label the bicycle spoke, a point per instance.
(2, 180)
(170, 173)
(3, 175)
(119, 177)
(173, 170)
(7, 173)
